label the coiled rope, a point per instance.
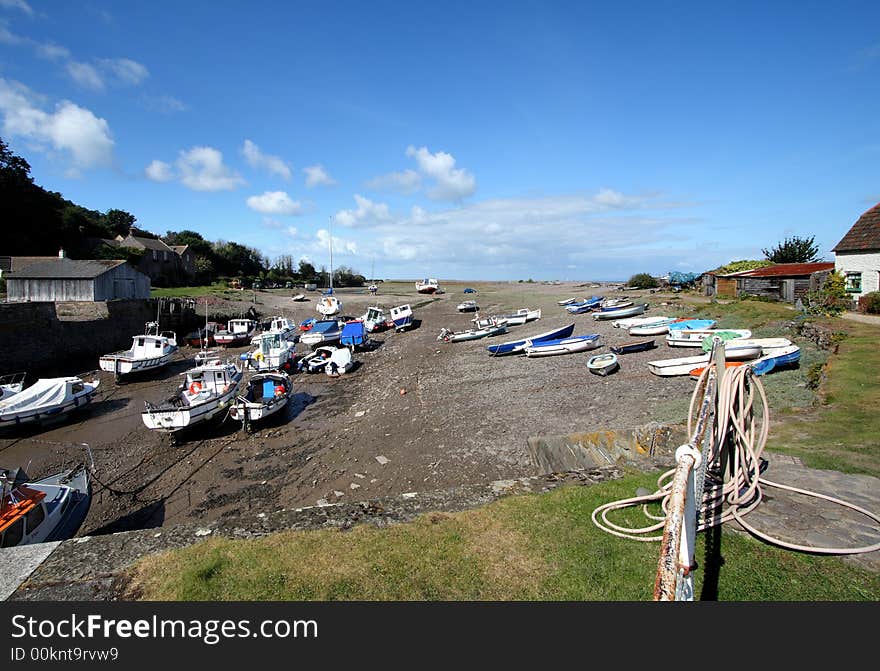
(742, 425)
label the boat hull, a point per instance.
(518, 346)
(632, 347)
(618, 313)
(563, 346)
(603, 364)
(121, 364)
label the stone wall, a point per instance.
(821, 335)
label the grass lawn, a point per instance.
(216, 289)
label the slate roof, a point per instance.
(64, 269)
(864, 236)
(12, 263)
(146, 243)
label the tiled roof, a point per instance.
(58, 269)
(864, 235)
(785, 270)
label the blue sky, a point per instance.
(558, 140)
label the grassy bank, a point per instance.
(536, 547)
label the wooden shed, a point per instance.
(65, 279)
(782, 281)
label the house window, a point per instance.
(164, 256)
(854, 282)
(155, 255)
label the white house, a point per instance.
(857, 256)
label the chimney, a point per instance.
(61, 254)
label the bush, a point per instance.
(870, 303)
(642, 281)
(831, 299)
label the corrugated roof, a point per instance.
(64, 269)
(864, 235)
(785, 270)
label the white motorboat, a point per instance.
(11, 384)
(467, 306)
(567, 301)
(264, 395)
(323, 331)
(237, 332)
(696, 337)
(282, 326)
(206, 392)
(334, 361)
(328, 306)
(374, 319)
(147, 352)
(402, 317)
(273, 352)
(46, 399)
(429, 285)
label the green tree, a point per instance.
(306, 271)
(794, 250)
(119, 222)
(642, 281)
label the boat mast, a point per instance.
(330, 226)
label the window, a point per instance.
(34, 518)
(854, 282)
(155, 255)
(13, 534)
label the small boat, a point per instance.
(204, 336)
(469, 290)
(44, 510)
(467, 306)
(264, 395)
(588, 305)
(697, 372)
(684, 365)
(324, 330)
(447, 335)
(47, 398)
(328, 305)
(340, 362)
(569, 345)
(603, 364)
(374, 319)
(627, 311)
(697, 337)
(657, 328)
(282, 326)
(147, 352)
(630, 347)
(354, 334)
(567, 301)
(517, 346)
(692, 324)
(207, 392)
(494, 320)
(428, 285)
(273, 352)
(639, 321)
(615, 303)
(768, 345)
(237, 332)
(779, 358)
(530, 315)
(402, 317)
(333, 361)
(299, 298)
(11, 384)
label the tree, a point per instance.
(794, 250)
(306, 271)
(642, 281)
(119, 222)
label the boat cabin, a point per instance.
(207, 380)
(240, 325)
(24, 509)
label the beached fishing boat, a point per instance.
(43, 510)
(264, 395)
(603, 364)
(273, 352)
(467, 306)
(340, 363)
(237, 332)
(203, 336)
(784, 357)
(354, 334)
(696, 337)
(147, 352)
(333, 361)
(631, 347)
(684, 365)
(616, 313)
(323, 331)
(206, 392)
(569, 345)
(429, 285)
(518, 346)
(11, 384)
(374, 319)
(282, 326)
(402, 317)
(447, 335)
(46, 399)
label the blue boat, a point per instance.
(786, 356)
(354, 334)
(584, 306)
(469, 290)
(692, 325)
(517, 346)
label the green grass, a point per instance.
(216, 289)
(534, 547)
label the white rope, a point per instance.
(738, 409)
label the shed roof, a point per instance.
(785, 270)
(64, 269)
(864, 235)
(13, 263)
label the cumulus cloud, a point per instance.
(367, 213)
(451, 183)
(317, 176)
(85, 75)
(70, 129)
(340, 245)
(257, 159)
(20, 5)
(406, 182)
(202, 169)
(159, 171)
(274, 202)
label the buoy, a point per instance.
(195, 388)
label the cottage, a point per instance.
(782, 281)
(857, 255)
(63, 279)
(163, 264)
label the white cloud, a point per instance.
(340, 245)
(125, 70)
(159, 171)
(20, 5)
(367, 213)
(202, 169)
(52, 52)
(274, 202)
(451, 183)
(317, 176)
(85, 75)
(70, 128)
(257, 159)
(406, 182)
